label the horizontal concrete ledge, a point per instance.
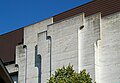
(12, 68)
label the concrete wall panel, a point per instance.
(64, 36)
(33, 58)
(109, 58)
(87, 37)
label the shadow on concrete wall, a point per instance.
(38, 63)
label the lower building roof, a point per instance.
(4, 75)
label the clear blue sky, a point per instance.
(15, 14)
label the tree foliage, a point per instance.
(68, 75)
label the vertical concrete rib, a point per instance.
(64, 36)
(79, 42)
(88, 36)
(109, 58)
(25, 48)
(20, 60)
(50, 51)
(30, 39)
(44, 48)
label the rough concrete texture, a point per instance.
(44, 52)
(61, 42)
(32, 58)
(87, 37)
(20, 60)
(109, 53)
(64, 38)
(11, 68)
(90, 43)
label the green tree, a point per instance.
(68, 75)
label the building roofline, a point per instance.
(7, 33)
(67, 11)
(43, 19)
(74, 8)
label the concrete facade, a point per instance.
(90, 43)
(33, 59)
(108, 59)
(58, 45)
(86, 37)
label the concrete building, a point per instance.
(86, 37)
